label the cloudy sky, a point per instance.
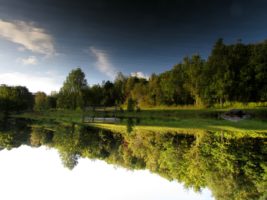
(42, 40)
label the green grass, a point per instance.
(239, 105)
(197, 124)
(209, 124)
(230, 132)
(186, 120)
(58, 116)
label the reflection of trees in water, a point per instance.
(236, 168)
(233, 168)
(69, 159)
(131, 122)
(13, 133)
(40, 136)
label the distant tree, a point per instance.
(130, 105)
(194, 70)
(217, 74)
(129, 85)
(95, 95)
(155, 93)
(109, 95)
(140, 93)
(178, 90)
(40, 101)
(15, 98)
(24, 98)
(71, 95)
(258, 62)
(119, 88)
(51, 102)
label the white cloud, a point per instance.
(32, 82)
(139, 75)
(31, 60)
(28, 36)
(103, 64)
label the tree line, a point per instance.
(232, 73)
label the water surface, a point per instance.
(81, 161)
(37, 173)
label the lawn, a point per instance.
(186, 119)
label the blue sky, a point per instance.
(42, 40)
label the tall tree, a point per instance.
(217, 74)
(40, 101)
(71, 95)
(119, 88)
(193, 70)
(258, 62)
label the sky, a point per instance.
(37, 173)
(41, 41)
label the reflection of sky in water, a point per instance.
(28, 173)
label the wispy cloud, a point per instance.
(103, 64)
(139, 75)
(34, 83)
(31, 60)
(27, 35)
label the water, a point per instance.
(71, 161)
(37, 173)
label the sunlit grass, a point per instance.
(183, 120)
(227, 132)
(192, 125)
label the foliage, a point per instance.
(40, 101)
(232, 73)
(71, 95)
(130, 105)
(15, 98)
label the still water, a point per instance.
(37, 173)
(70, 161)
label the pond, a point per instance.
(73, 161)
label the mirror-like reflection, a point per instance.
(231, 166)
(27, 173)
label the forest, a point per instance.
(231, 73)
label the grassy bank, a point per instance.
(229, 132)
(182, 119)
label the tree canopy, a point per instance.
(71, 95)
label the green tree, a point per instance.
(177, 81)
(193, 70)
(95, 95)
(217, 74)
(109, 95)
(40, 101)
(52, 100)
(15, 99)
(258, 62)
(139, 93)
(130, 105)
(155, 93)
(71, 95)
(119, 88)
